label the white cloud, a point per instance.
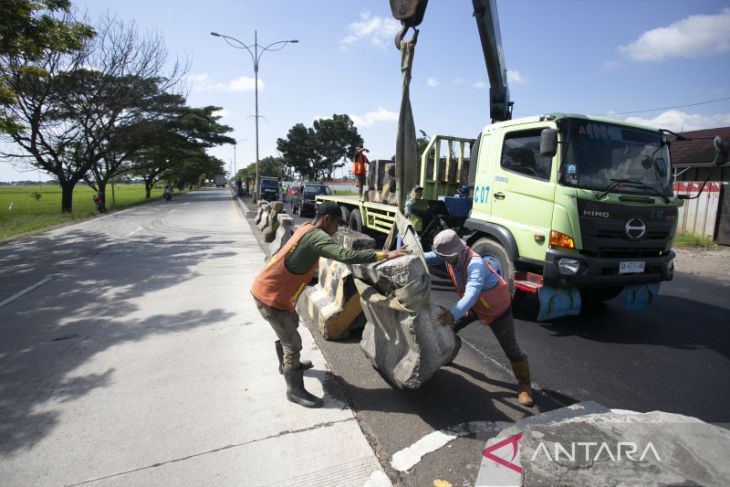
(683, 122)
(514, 77)
(202, 82)
(432, 82)
(371, 118)
(379, 31)
(697, 35)
(480, 85)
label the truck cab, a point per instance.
(594, 211)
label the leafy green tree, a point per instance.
(71, 109)
(299, 152)
(335, 141)
(29, 29)
(174, 147)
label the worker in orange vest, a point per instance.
(482, 294)
(358, 168)
(278, 286)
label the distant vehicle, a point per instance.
(304, 203)
(269, 188)
(292, 191)
(220, 181)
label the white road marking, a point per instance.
(407, 458)
(25, 291)
(172, 211)
(132, 233)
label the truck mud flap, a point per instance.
(555, 303)
(639, 296)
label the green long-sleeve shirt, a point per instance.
(318, 244)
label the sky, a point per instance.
(664, 63)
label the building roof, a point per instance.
(698, 152)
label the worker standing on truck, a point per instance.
(481, 291)
(277, 287)
(358, 168)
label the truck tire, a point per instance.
(345, 215)
(355, 221)
(595, 296)
(498, 258)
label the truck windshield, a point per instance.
(314, 190)
(269, 184)
(603, 156)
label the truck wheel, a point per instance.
(355, 221)
(595, 296)
(497, 257)
(345, 215)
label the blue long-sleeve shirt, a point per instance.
(478, 278)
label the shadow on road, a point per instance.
(88, 308)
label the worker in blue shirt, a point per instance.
(483, 292)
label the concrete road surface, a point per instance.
(131, 354)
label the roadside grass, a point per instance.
(27, 209)
(342, 192)
(684, 239)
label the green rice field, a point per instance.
(23, 211)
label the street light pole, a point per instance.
(255, 57)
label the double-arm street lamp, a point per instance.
(256, 51)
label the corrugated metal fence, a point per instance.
(699, 216)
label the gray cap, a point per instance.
(448, 244)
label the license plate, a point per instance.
(631, 267)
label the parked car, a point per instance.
(303, 203)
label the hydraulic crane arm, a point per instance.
(410, 13)
(485, 14)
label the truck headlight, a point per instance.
(568, 266)
(558, 239)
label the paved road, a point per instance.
(673, 357)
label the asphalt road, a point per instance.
(673, 357)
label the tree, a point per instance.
(28, 30)
(316, 153)
(335, 140)
(298, 150)
(73, 106)
(174, 147)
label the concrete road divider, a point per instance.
(283, 233)
(333, 304)
(264, 207)
(269, 230)
(402, 337)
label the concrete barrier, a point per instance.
(269, 230)
(333, 304)
(283, 233)
(264, 207)
(403, 340)
(402, 337)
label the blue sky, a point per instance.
(594, 57)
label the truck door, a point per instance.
(484, 175)
(523, 193)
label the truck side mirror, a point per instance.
(721, 151)
(548, 142)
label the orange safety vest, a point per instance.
(275, 286)
(491, 303)
(358, 163)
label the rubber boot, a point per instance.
(521, 368)
(296, 392)
(305, 364)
